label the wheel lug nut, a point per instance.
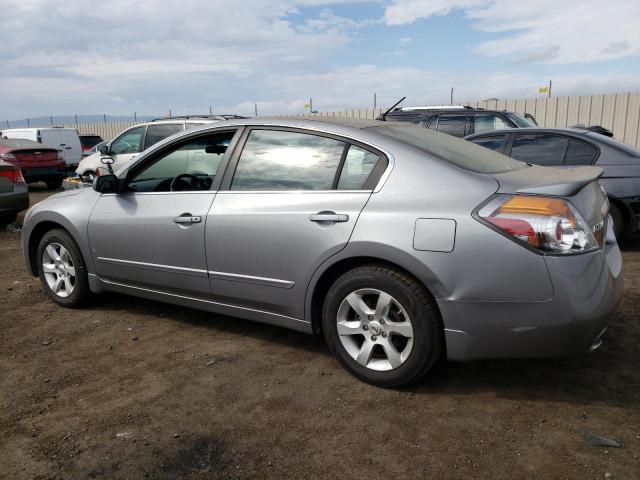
(384, 334)
(374, 338)
(365, 327)
(370, 317)
(381, 321)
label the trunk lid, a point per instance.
(36, 155)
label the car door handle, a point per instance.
(329, 217)
(67, 148)
(187, 219)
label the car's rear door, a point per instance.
(290, 199)
(71, 147)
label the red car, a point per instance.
(38, 162)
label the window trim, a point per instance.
(454, 114)
(153, 156)
(505, 119)
(385, 159)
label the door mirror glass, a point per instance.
(104, 149)
(106, 184)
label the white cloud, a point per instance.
(548, 31)
(405, 40)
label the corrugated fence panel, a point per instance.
(620, 115)
(633, 120)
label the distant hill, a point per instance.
(70, 119)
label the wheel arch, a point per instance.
(340, 264)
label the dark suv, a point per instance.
(458, 121)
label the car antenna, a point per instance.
(384, 115)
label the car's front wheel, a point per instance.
(62, 269)
(382, 325)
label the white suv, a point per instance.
(134, 140)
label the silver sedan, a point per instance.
(398, 244)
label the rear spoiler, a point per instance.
(535, 180)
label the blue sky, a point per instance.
(149, 56)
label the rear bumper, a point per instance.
(36, 174)
(16, 201)
(586, 288)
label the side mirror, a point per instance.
(108, 161)
(106, 184)
(104, 149)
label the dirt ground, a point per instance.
(135, 389)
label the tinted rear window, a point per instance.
(451, 149)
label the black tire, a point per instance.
(54, 183)
(7, 218)
(618, 221)
(428, 339)
(81, 292)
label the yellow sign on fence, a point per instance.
(543, 89)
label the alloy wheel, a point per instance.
(59, 270)
(375, 329)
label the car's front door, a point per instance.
(290, 199)
(152, 235)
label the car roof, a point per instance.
(22, 143)
(573, 131)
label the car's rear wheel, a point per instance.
(382, 325)
(88, 176)
(62, 269)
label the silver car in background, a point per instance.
(397, 243)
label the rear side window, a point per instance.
(452, 124)
(280, 160)
(579, 153)
(406, 117)
(493, 142)
(155, 133)
(539, 149)
(357, 167)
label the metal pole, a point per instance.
(310, 105)
(28, 124)
(104, 117)
(8, 124)
(169, 113)
(51, 120)
(76, 118)
(549, 88)
(255, 108)
(210, 110)
(135, 117)
(451, 95)
(375, 101)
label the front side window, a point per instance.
(539, 149)
(493, 142)
(357, 167)
(280, 160)
(158, 132)
(579, 153)
(485, 122)
(128, 142)
(190, 166)
(452, 124)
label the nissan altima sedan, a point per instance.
(397, 243)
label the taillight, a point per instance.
(9, 157)
(548, 224)
(13, 174)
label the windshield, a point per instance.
(520, 120)
(454, 150)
